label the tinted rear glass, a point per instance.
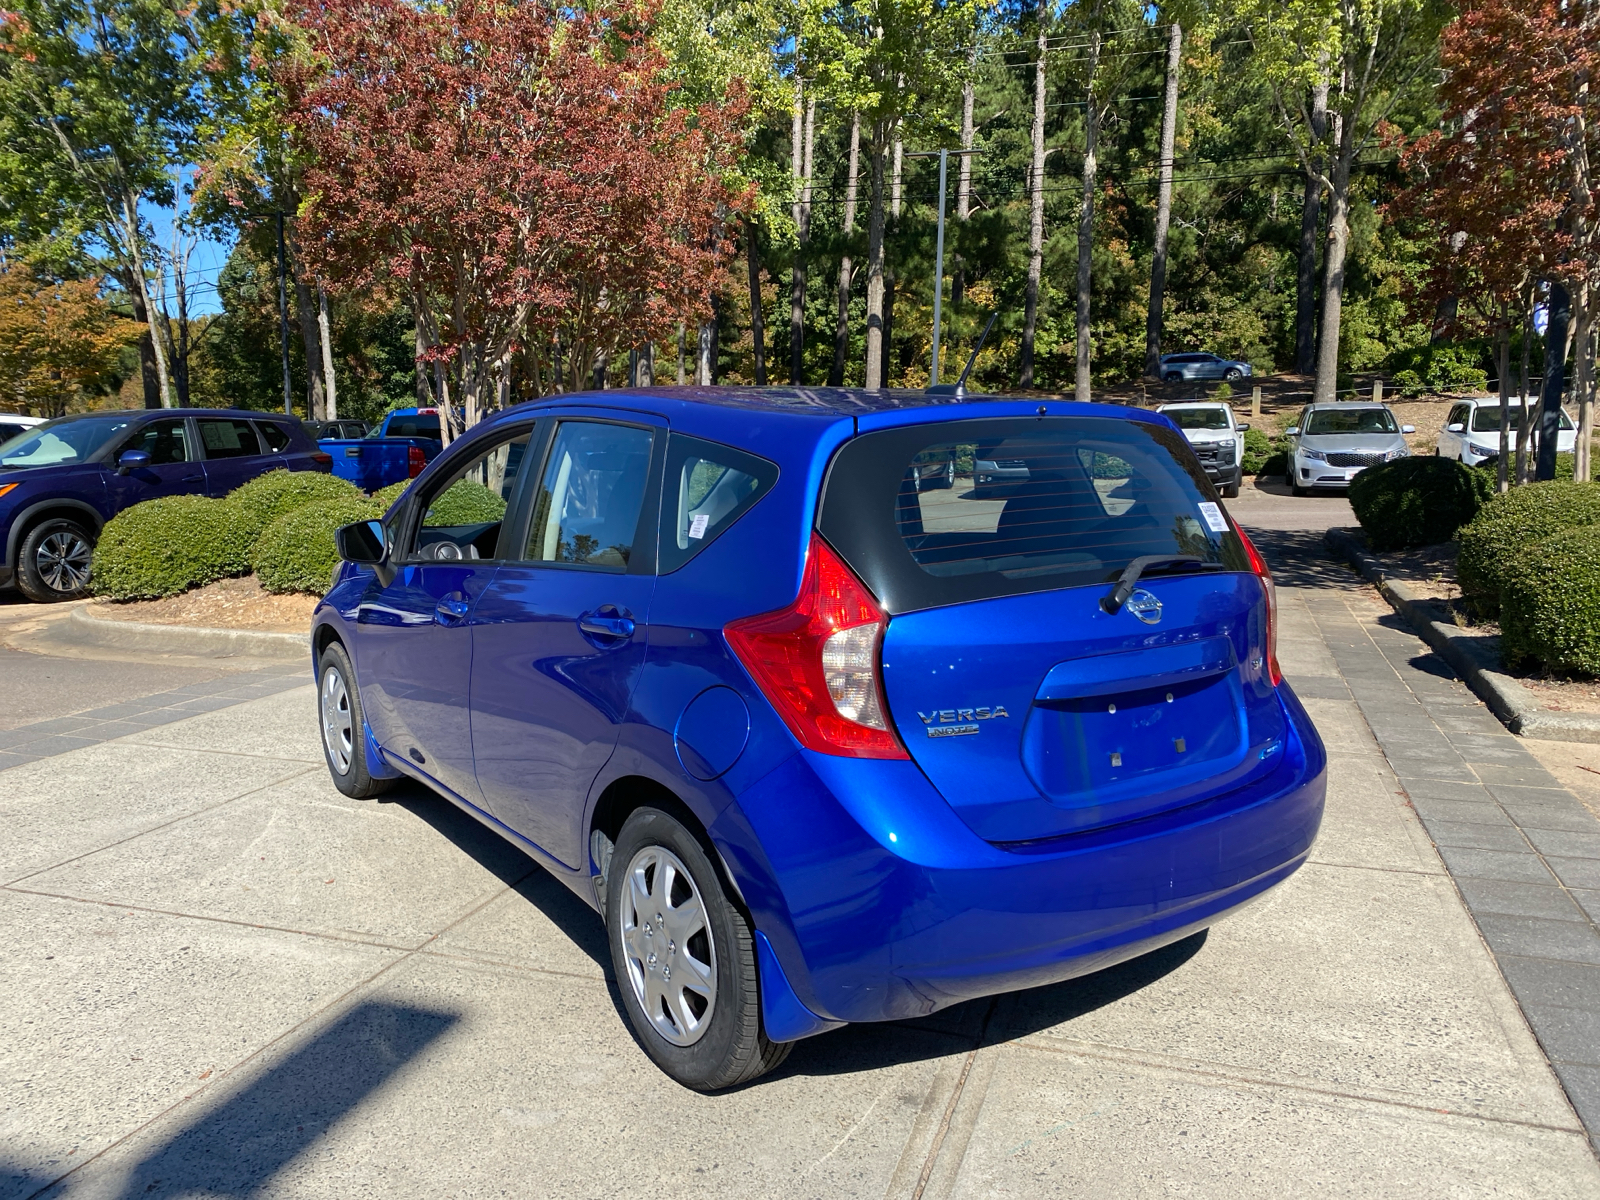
(1355, 420)
(1035, 505)
(1197, 418)
(422, 426)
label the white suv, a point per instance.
(1217, 438)
(1471, 431)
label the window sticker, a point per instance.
(1214, 518)
(697, 525)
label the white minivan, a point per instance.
(1471, 430)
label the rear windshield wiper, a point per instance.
(1118, 596)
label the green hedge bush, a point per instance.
(467, 502)
(296, 552)
(1508, 525)
(1550, 604)
(1417, 501)
(387, 496)
(1257, 450)
(1566, 466)
(267, 497)
(1439, 367)
(166, 546)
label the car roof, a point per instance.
(1346, 405)
(157, 413)
(1192, 404)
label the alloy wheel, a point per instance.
(63, 561)
(337, 726)
(666, 937)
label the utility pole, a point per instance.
(943, 154)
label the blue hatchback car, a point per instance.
(825, 736)
(61, 481)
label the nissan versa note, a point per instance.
(821, 740)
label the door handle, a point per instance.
(600, 625)
(191, 479)
(450, 612)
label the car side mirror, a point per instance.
(1456, 428)
(364, 543)
(1292, 431)
(1244, 426)
(132, 460)
(1412, 429)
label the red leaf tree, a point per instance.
(1504, 185)
(520, 171)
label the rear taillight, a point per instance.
(816, 661)
(415, 460)
(324, 462)
(1259, 566)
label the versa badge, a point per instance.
(954, 722)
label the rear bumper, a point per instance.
(8, 577)
(884, 905)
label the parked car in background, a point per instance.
(62, 480)
(1217, 438)
(822, 745)
(1330, 444)
(398, 449)
(1183, 368)
(11, 425)
(342, 427)
(1471, 430)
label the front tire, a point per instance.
(684, 958)
(343, 727)
(1233, 373)
(53, 561)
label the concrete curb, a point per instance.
(183, 639)
(1475, 658)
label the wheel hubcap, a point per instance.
(666, 939)
(337, 729)
(63, 561)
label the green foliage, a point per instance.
(267, 497)
(1416, 501)
(1550, 604)
(296, 552)
(166, 546)
(1258, 450)
(1439, 367)
(1507, 525)
(387, 496)
(464, 502)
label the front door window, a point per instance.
(587, 509)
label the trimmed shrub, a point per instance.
(166, 546)
(267, 497)
(387, 496)
(1257, 450)
(1566, 466)
(1508, 525)
(1439, 367)
(1416, 501)
(1550, 604)
(296, 552)
(468, 502)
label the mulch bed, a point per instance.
(226, 604)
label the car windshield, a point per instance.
(1197, 418)
(67, 441)
(1358, 420)
(1487, 419)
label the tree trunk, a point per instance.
(1583, 382)
(841, 332)
(147, 350)
(958, 278)
(757, 324)
(706, 364)
(875, 283)
(305, 311)
(1091, 138)
(1158, 260)
(1525, 425)
(1503, 364)
(1030, 310)
(681, 376)
(325, 336)
(1325, 388)
(1305, 312)
(425, 396)
(889, 279)
(1555, 378)
(802, 142)
(141, 285)
(647, 365)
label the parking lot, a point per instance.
(223, 977)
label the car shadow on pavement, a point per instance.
(1299, 558)
(252, 1133)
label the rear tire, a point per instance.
(1172, 377)
(344, 738)
(53, 561)
(666, 911)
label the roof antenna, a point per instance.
(958, 389)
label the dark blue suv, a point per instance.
(60, 482)
(826, 731)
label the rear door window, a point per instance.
(1073, 501)
(229, 439)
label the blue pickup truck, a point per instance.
(398, 449)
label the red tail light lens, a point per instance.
(415, 460)
(1259, 566)
(324, 461)
(816, 661)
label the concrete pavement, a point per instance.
(221, 976)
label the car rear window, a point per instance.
(1035, 505)
(1197, 418)
(423, 425)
